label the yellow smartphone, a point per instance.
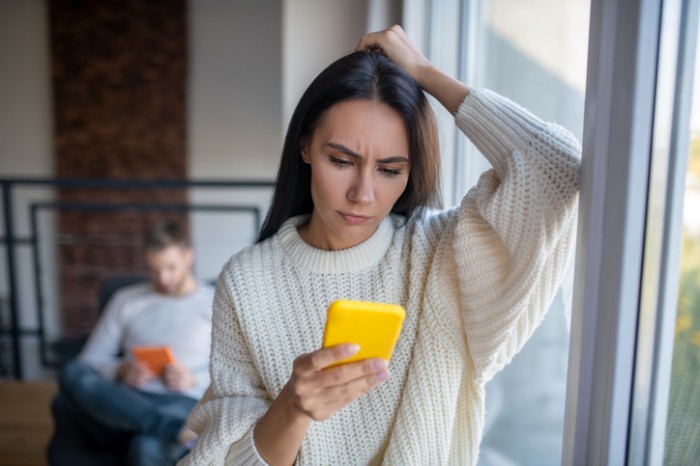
(373, 326)
(154, 357)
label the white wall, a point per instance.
(234, 89)
(25, 110)
(315, 33)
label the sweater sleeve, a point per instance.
(243, 452)
(198, 358)
(102, 348)
(516, 228)
(225, 416)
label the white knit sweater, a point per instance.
(475, 282)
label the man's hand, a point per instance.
(178, 377)
(134, 373)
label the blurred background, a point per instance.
(115, 114)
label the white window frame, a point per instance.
(615, 168)
(661, 269)
(621, 346)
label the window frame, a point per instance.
(661, 270)
(621, 346)
(614, 182)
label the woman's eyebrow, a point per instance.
(353, 154)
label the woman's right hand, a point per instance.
(319, 391)
(396, 45)
(314, 391)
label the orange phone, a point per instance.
(154, 357)
(373, 326)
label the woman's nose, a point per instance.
(362, 189)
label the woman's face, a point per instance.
(360, 164)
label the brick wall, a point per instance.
(119, 71)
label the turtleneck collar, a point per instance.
(352, 259)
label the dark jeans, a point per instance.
(98, 421)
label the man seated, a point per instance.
(109, 402)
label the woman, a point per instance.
(347, 221)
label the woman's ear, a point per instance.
(304, 149)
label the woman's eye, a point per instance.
(340, 162)
(390, 171)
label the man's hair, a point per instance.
(165, 234)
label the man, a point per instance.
(108, 401)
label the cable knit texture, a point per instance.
(475, 282)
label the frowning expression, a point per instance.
(359, 158)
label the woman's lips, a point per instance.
(353, 219)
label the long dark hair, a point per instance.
(359, 75)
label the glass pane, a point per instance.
(683, 423)
(540, 64)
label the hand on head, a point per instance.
(396, 45)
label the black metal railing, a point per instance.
(11, 240)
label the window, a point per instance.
(666, 405)
(624, 306)
(492, 44)
(682, 439)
